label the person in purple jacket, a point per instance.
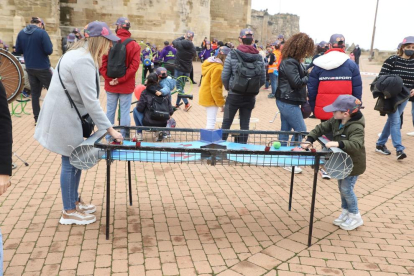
(168, 53)
(206, 53)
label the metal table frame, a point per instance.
(109, 148)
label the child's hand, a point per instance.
(305, 145)
(332, 145)
(158, 93)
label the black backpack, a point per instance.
(116, 59)
(159, 109)
(247, 78)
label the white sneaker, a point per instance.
(410, 133)
(297, 169)
(78, 218)
(139, 137)
(324, 174)
(342, 218)
(86, 208)
(353, 221)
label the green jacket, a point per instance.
(350, 138)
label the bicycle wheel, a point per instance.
(11, 75)
(184, 85)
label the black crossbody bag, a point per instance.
(87, 123)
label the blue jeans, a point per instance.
(180, 85)
(348, 197)
(138, 118)
(69, 184)
(392, 127)
(412, 111)
(273, 81)
(291, 118)
(124, 105)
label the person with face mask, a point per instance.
(401, 65)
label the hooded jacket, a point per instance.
(34, 43)
(144, 105)
(248, 54)
(126, 84)
(350, 138)
(211, 90)
(185, 54)
(334, 74)
(167, 53)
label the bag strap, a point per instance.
(126, 41)
(72, 103)
(238, 56)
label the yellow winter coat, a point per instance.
(211, 90)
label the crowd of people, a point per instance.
(331, 85)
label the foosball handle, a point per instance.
(138, 144)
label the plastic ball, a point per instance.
(138, 90)
(277, 145)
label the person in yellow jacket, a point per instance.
(211, 90)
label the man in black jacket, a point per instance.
(357, 54)
(242, 101)
(184, 63)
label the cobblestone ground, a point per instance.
(203, 220)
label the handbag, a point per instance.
(87, 123)
(306, 110)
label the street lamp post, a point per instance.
(373, 34)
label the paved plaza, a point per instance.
(190, 219)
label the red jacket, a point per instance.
(126, 84)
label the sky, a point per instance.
(352, 18)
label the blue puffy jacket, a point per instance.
(34, 43)
(334, 74)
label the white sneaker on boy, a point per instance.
(353, 221)
(342, 218)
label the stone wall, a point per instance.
(14, 15)
(151, 20)
(267, 27)
(228, 17)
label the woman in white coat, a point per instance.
(59, 128)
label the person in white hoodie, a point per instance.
(334, 74)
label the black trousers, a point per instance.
(6, 137)
(38, 78)
(243, 104)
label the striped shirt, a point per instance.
(396, 65)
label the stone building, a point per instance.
(151, 20)
(267, 27)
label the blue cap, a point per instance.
(246, 32)
(71, 37)
(335, 38)
(123, 22)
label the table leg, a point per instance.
(292, 178)
(108, 190)
(315, 183)
(129, 183)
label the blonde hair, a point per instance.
(97, 47)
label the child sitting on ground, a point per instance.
(143, 113)
(347, 126)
